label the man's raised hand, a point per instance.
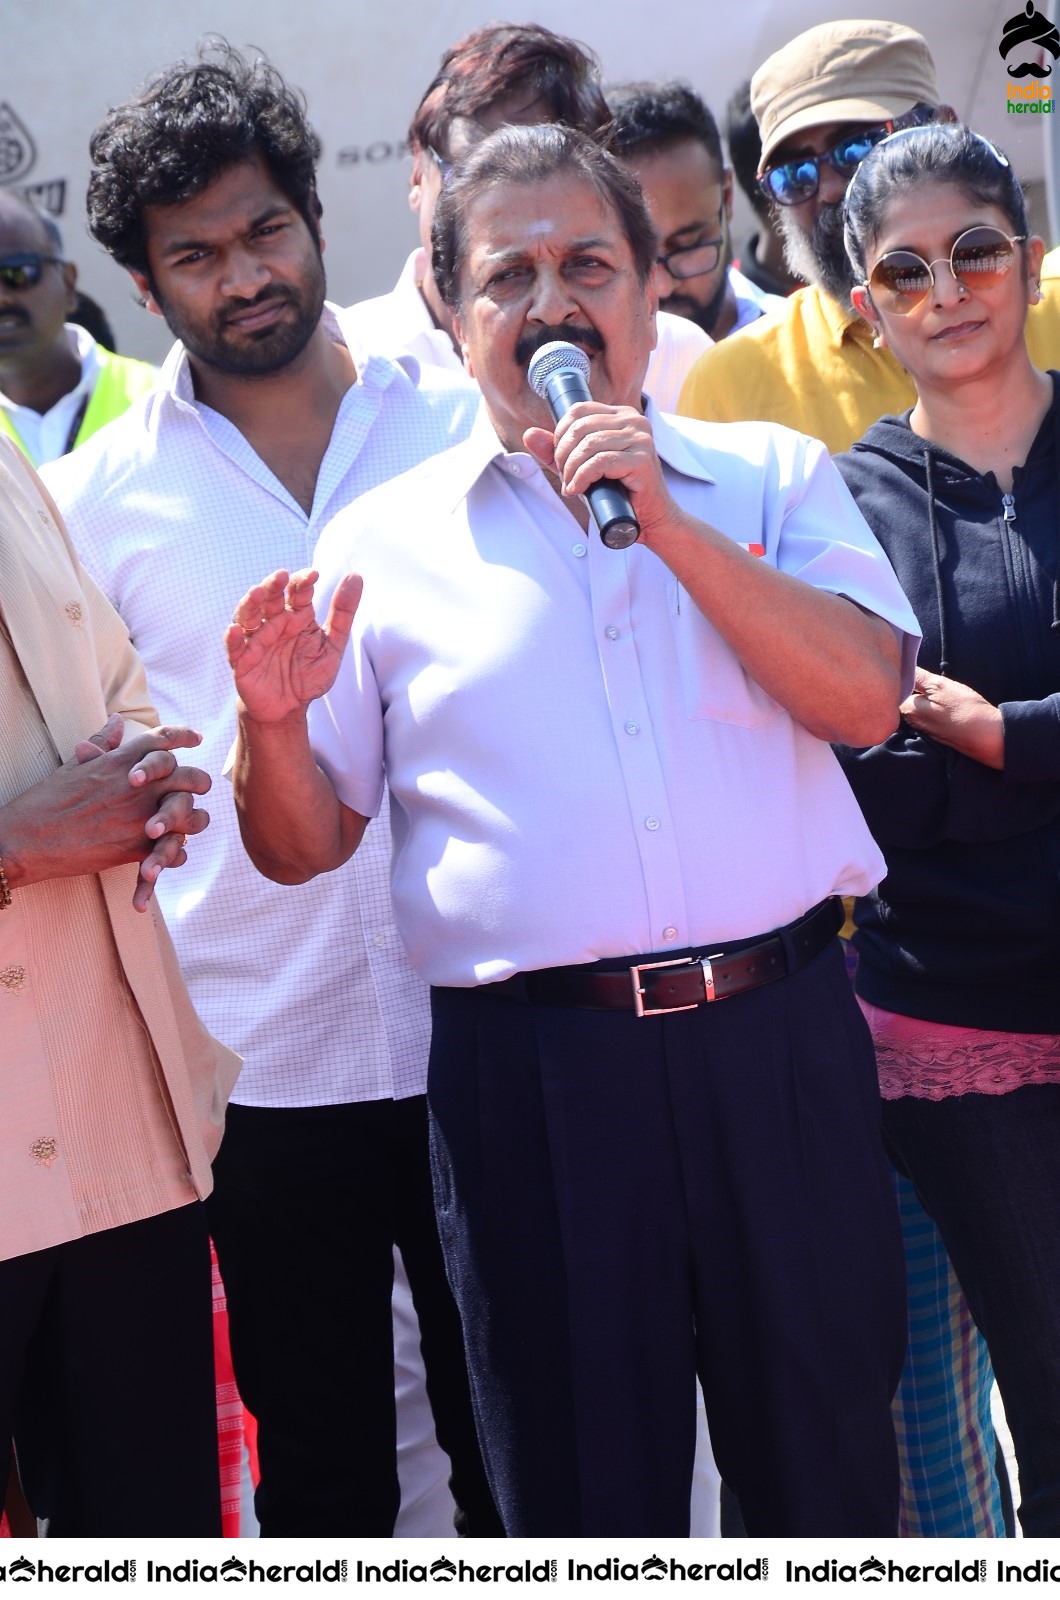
(282, 658)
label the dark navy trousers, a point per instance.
(625, 1202)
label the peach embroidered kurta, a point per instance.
(111, 1091)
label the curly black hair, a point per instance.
(188, 126)
(649, 117)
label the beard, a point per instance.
(819, 257)
(219, 345)
(704, 314)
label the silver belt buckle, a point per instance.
(653, 966)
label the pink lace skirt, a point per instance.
(933, 1060)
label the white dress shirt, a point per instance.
(579, 766)
(175, 516)
(399, 323)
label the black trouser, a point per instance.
(987, 1169)
(107, 1381)
(307, 1207)
(626, 1201)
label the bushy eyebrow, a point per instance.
(514, 254)
(173, 247)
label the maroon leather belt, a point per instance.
(654, 988)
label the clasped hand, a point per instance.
(111, 804)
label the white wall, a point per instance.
(363, 65)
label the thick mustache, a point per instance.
(531, 343)
(1029, 70)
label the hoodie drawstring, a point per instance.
(1055, 624)
(936, 557)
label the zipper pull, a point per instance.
(1008, 507)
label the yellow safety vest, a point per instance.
(119, 381)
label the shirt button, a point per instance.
(669, 933)
(379, 939)
(632, 727)
(611, 631)
(652, 824)
(578, 550)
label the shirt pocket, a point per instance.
(714, 685)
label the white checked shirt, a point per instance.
(176, 516)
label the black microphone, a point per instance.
(559, 373)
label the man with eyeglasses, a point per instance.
(502, 74)
(57, 385)
(670, 141)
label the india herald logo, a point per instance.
(1028, 34)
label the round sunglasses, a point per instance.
(980, 257)
(790, 183)
(23, 271)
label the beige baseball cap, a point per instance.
(866, 71)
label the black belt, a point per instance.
(652, 988)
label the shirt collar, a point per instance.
(841, 323)
(376, 372)
(469, 460)
(87, 351)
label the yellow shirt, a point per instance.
(813, 368)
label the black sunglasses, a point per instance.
(24, 270)
(792, 182)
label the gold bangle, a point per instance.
(5, 888)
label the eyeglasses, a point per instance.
(901, 280)
(24, 270)
(445, 168)
(694, 260)
(791, 182)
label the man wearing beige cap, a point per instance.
(821, 102)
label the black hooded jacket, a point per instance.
(965, 928)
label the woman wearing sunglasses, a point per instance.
(959, 948)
